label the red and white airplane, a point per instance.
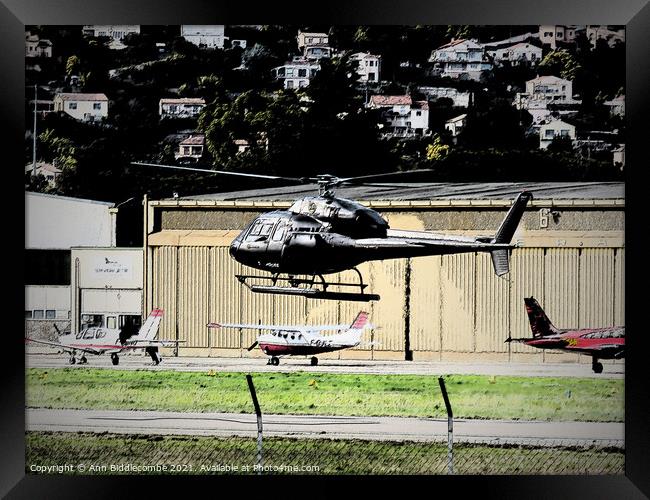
(99, 340)
(599, 343)
(286, 340)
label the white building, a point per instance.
(555, 129)
(463, 59)
(36, 46)
(554, 34)
(369, 66)
(619, 156)
(459, 99)
(184, 107)
(517, 54)
(401, 115)
(191, 148)
(53, 225)
(315, 52)
(297, 73)
(47, 170)
(307, 38)
(456, 125)
(209, 36)
(616, 105)
(114, 31)
(545, 90)
(85, 107)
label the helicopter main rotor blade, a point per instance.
(363, 178)
(223, 172)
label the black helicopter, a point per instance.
(324, 234)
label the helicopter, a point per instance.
(326, 234)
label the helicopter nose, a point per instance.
(234, 247)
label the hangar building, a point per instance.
(570, 256)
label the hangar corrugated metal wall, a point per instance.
(455, 303)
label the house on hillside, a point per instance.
(184, 107)
(209, 36)
(297, 73)
(554, 34)
(84, 107)
(462, 59)
(114, 31)
(47, 170)
(368, 66)
(555, 129)
(36, 46)
(520, 53)
(191, 148)
(401, 116)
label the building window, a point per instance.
(289, 84)
(371, 77)
(418, 113)
(549, 134)
(111, 322)
(72, 105)
(28, 314)
(564, 133)
(38, 314)
(50, 314)
(302, 72)
(97, 105)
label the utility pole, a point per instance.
(34, 146)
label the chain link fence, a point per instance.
(303, 446)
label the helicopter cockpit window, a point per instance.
(279, 232)
(266, 229)
(255, 230)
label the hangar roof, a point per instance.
(439, 191)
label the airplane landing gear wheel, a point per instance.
(275, 361)
(115, 359)
(314, 361)
(72, 361)
(83, 360)
(597, 367)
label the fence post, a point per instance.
(450, 428)
(258, 412)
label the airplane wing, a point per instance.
(63, 347)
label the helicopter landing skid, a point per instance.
(312, 289)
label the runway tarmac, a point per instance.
(322, 426)
(256, 365)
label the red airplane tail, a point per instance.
(539, 322)
(360, 321)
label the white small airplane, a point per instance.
(99, 340)
(303, 340)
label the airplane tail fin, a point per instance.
(150, 327)
(500, 257)
(360, 323)
(540, 325)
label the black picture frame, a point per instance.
(634, 14)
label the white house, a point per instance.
(459, 99)
(369, 66)
(36, 46)
(297, 73)
(402, 116)
(204, 35)
(552, 34)
(85, 107)
(545, 90)
(556, 128)
(456, 124)
(308, 38)
(114, 31)
(191, 148)
(517, 54)
(184, 107)
(47, 170)
(315, 52)
(463, 59)
(616, 105)
(619, 156)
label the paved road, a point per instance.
(253, 365)
(320, 426)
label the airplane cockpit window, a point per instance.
(100, 334)
(90, 333)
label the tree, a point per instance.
(72, 65)
(437, 151)
(561, 63)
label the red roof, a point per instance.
(82, 97)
